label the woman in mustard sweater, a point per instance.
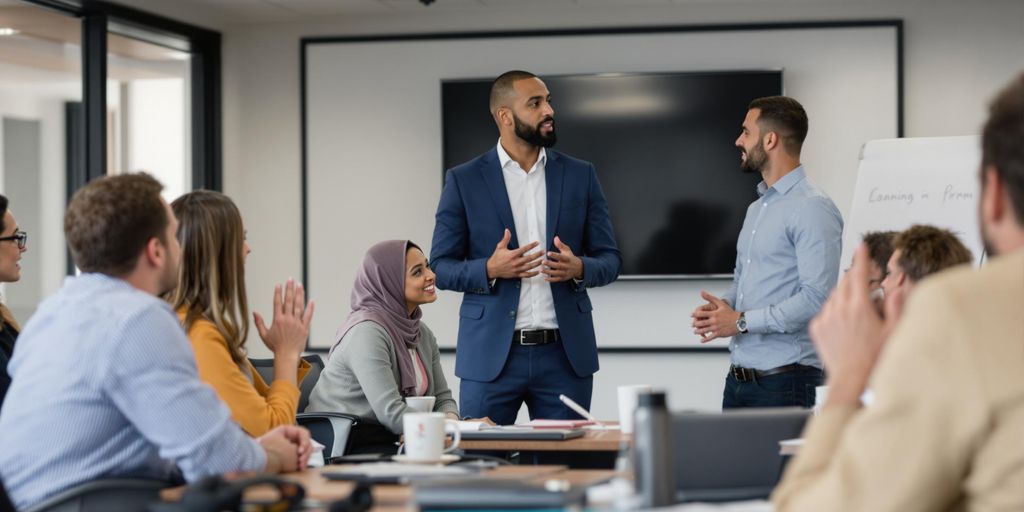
(210, 300)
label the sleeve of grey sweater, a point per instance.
(368, 352)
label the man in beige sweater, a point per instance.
(946, 430)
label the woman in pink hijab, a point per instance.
(384, 352)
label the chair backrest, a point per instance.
(731, 455)
(330, 429)
(5, 500)
(265, 367)
(104, 496)
(316, 365)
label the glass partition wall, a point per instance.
(40, 77)
(90, 88)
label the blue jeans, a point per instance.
(794, 388)
(532, 374)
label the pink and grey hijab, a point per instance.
(378, 296)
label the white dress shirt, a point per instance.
(527, 194)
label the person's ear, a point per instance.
(993, 198)
(155, 252)
(770, 140)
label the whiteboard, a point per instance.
(929, 180)
(372, 143)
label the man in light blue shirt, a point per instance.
(104, 379)
(787, 261)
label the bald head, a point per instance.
(502, 90)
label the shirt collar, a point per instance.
(785, 183)
(504, 159)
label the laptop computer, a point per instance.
(732, 455)
(521, 434)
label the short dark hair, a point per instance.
(501, 88)
(879, 246)
(784, 116)
(3, 212)
(1001, 142)
(925, 250)
(110, 220)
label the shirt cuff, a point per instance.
(757, 320)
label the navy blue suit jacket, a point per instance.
(471, 219)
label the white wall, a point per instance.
(43, 102)
(957, 55)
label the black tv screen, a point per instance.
(663, 146)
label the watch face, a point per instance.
(741, 324)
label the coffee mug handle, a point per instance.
(456, 436)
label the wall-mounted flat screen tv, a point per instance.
(664, 148)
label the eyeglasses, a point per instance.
(19, 236)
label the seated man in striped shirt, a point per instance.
(104, 380)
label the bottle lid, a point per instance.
(652, 399)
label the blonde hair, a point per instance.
(211, 275)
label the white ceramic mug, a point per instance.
(425, 433)
(420, 403)
(628, 398)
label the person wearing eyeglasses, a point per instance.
(211, 303)
(12, 246)
(879, 245)
(919, 252)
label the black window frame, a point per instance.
(204, 47)
(87, 123)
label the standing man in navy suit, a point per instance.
(523, 231)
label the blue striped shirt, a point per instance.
(105, 385)
(787, 262)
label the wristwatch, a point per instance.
(741, 323)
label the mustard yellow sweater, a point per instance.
(254, 405)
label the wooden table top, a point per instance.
(592, 441)
(320, 490)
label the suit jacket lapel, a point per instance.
(491, 170)
(554, 175)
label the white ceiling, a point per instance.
(283, 11)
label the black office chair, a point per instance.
(316, 365)
(332, 429)
(265, 367)
(5, 500)
(122, 494)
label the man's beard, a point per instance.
(532, 135)
(755, 161)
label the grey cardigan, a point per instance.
(361, 377)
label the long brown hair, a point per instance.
(211, 276)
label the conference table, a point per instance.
(321, 492)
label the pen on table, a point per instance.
(579, 409)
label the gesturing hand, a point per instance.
(715, 319)
(508, 263)
(290, 327)
(562, 265)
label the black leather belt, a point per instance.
(747, 374)
(536, 337)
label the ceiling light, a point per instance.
(8, 31)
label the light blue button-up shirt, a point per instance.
(787, 262)
(105, 385)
